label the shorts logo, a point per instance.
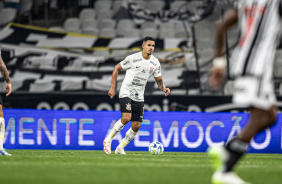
(151, 70)
(128, 107)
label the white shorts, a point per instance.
(254, 92)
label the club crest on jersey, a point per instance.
(128, 107)
(151, 70)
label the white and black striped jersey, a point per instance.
(260, 25)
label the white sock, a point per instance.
(2, 132)
(129, 136)
(116, 128)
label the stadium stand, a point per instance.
(103, 5)
(72, 24)
(87, 13)
(185, 69)
(107, 32)
(176, 5)
(7, 15)
(26, 8)
(155, 5)
(106, 23)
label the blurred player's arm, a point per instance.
(161, 85)
(218, 70)
(5, 74)
(116, 70)
(229, 19)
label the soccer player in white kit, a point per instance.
(8, 89)
(139, 67)
(252, 66)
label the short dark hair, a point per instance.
(148, 38)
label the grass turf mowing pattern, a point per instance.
(40, 166)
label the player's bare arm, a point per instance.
(5, 74)
(116, 70)
(218, 71)
(161, 85)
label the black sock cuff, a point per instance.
(237, 146)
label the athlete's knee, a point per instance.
(126, 118)
(135, 126)
(272, 116)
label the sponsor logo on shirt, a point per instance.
(140, 78)
(137, 60)
(137, 82)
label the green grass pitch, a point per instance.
(95, 167)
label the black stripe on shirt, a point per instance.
(254, 42)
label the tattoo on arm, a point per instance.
(160, 83)
(4, 71)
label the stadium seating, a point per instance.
(118, 53)
(104, 53)
(102, 21)
(104, 14)
(167, 33)
(103, 5)
(90, 29)
(124, 25)
(26, 7)
(176, 5)
(149, 32)
(155, 5)
(7, 15)
(87, 13)
(116, 6)
(106, 23)
(89, 22)
(72, 24)
(140, 3)
(107, 32)
(149, 24)
(167, 25)
(135, 33)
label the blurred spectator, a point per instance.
(13, 4)
(66, 6)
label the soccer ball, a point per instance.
(156, 148)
